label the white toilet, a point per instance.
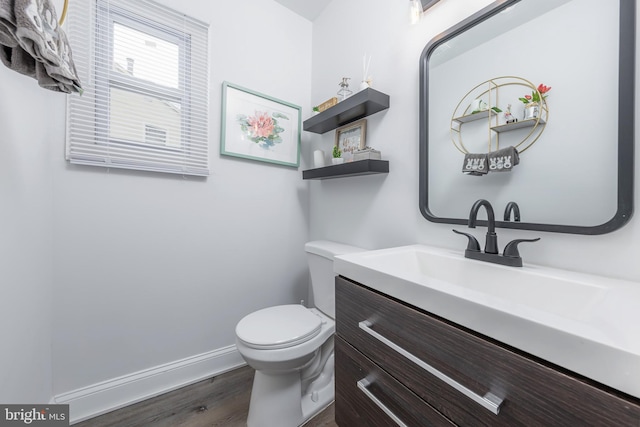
(291, 348)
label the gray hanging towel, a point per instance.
(29, 28)
(475, 164)
(503, 160)
(8, 24)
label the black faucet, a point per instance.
(491, 241)
(512, 207)
(511, 256)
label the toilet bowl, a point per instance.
(291, 348)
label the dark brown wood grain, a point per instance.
(355, 409)
(534, 394)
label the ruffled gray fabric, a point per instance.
(32, 43)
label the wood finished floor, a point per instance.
(219, 401)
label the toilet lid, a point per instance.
(278, 327)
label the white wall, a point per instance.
(380, 211)
(153, 268)
(29, 119)
(138, 270)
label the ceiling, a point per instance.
(309, 9)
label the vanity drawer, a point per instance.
(464, 375)
(360, 384)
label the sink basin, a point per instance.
(585, 323)
(548, 290)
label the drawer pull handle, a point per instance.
(489, 401)
(362, 385)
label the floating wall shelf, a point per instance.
(529, 123)
(473, 117)
(361, 104)
(360, 167)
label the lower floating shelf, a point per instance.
(360, 167)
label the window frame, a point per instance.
(107, 16)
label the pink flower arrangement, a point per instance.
(262, 128)
(261, 125)
(536, 95)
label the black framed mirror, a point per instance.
(578, 176)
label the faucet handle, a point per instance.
(511, 250)
(473, 244)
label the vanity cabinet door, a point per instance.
(464, 375)
(367, 396)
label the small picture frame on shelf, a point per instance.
(351, 138)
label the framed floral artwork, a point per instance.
(351, 137)
(259, 127)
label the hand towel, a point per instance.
(475, 164)
(8, 24)
(29, 28)
(503, 160)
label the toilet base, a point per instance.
(277, 400)
(315, 402)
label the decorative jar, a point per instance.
(531, 110)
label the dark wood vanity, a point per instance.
(399, 365)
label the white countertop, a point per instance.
(587, 324)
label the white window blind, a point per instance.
(145, 105)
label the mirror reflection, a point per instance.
(479, 82)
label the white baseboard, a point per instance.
(106, 396)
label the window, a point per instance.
(145, 72)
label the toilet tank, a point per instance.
(320, 255)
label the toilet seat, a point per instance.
(278, 327)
